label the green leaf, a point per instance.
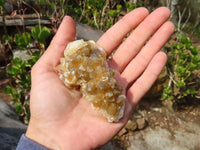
(195, 50)
(17, 62)
(42, 2)
(11, 91)
(195, 59)
(113, 13)
(108, 24)
(52, 5)
(16, 95)
(180, 84)
(192, 66)
(2, 2)
(183, 66)
(6, 38)
(24, 40)
(180, 46)
(19, 108)
(27, 36)
(12, 70)
(185, 39)
(119, 8)
(8, 90)
(190, 92)
(78, 10)
(180, 62)
(65, 8)
(35, 32)
(34, 58)
(181, 71)
(170, 98)
(168, 90)
(130, 6)
(45, 33)
(23, 77)
(40, 34)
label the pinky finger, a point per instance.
(146, 80)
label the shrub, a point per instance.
(100, 14)
(183, 67)
(19, 73)
(19, 70)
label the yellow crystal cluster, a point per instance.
(84, 67)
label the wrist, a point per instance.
(51, 137)
(42, 136)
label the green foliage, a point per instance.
(130, 6)
(55, 10)
(19, 108)
(167, 93)
(183, 65)
(100, 14)
(40, 34)
(93, 11)
(42, 2)
(6, 38)
(2, 2)
(12, 92)
(23, 40)
(19, 72)
(95, 4)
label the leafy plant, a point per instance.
(6, 38)
(130, 6)
(100, 14)
(19, 72)
(23, 40)
(183, 66)
(40, 34)
(55, 10)
(95, 10)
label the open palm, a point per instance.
(61, 118)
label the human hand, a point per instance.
(60, 117)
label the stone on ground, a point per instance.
(10, 128)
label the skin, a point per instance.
(61, 118)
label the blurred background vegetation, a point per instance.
(179, 82)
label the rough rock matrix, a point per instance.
(84, 67)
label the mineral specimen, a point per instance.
(84, 67)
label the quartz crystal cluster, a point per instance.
(84, 67)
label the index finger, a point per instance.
(114, 36)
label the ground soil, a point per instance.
(163, 118)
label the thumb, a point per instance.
(65, 34)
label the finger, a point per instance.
(113, 37)
(65, 34)
(131, 46)
(144, 83)
(140, 62)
